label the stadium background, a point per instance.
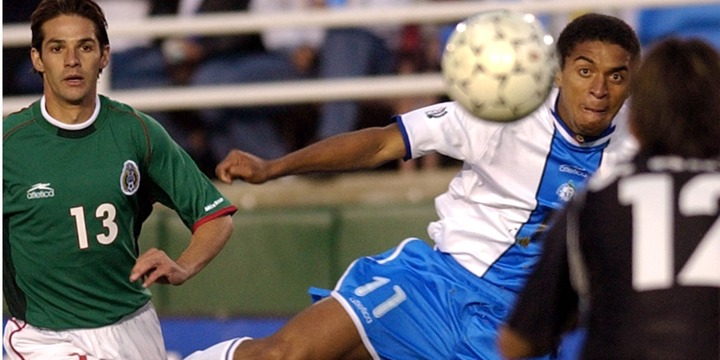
(298, 232)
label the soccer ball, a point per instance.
(499, 65)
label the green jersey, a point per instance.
(73, 205)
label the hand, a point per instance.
(157, 267)
(241, 165)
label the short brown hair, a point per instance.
(675, 102)
(50, 9)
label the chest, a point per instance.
(50, 175)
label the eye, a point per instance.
(55, 48)
(87, 48)
(584, 72)
(617, 78)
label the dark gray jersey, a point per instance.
(641, 246)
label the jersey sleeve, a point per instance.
(547, 305)
(445, 128)
(184, 187)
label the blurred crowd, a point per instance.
(283, 55)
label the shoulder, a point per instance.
(19, 119)
(119, 111)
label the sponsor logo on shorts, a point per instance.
(40, 191)
(130, 178)
(362, 309)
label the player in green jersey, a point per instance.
(80, 175)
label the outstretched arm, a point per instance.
(514, 346)
(361, 149)
(205, 243)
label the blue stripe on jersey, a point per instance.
(408, 149)
(567, 169)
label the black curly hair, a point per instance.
(597, 27)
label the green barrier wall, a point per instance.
(274, 255)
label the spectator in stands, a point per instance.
(236, 59)
(139, 63)
(136, 63)
(300, 47)
(18, 77)
(355, 52)
(208, 134)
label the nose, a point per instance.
(599, 88)
(71, 58)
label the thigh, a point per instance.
(405, 303)
(23, 341)
(322, 331)
(413, 302)
(137, 336)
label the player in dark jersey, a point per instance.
(635, 258)
(80, 175)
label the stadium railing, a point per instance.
(427, 12)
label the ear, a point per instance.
(558, 77)
(37, 60)
(105, 57)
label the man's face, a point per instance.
(594, 84)
(71, 60)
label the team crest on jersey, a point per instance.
(436, 113)
(566, 191)
(130, 178)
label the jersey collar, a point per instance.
(70, 127)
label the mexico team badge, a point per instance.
(130, 178)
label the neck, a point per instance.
(70, 112)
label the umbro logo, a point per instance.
(40, 191)
(436, 113)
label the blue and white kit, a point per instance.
(486, 238)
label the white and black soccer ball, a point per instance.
(499, 65)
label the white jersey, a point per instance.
(513, 176)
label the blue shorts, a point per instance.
(413, 302)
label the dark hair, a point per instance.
(675, 103)
(50, 9)
(597, 27)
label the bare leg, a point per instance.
(322, 331)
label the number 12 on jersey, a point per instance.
(652, 197)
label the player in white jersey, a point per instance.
(418, 302)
